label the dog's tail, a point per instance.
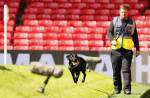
(93, 59)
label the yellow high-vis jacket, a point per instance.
(124, 32)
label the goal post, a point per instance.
(5, 17)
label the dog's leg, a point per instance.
(84, 76)
(73, 75)
(42, 89)
(77, 76)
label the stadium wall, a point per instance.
(140, 65)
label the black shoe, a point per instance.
(117, 91)
(127, 92)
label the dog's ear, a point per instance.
(68, 57)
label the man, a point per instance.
(123, 36)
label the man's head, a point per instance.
(124, 11)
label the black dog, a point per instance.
(76, 64)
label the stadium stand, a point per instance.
(13, 10)
(70, 25)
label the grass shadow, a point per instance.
(109, 95)
(4, 68)
(146, 94)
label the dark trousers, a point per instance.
(121, 60)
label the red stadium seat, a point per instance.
(47, 35)
(64, 36)
(44, 16)
(114, 12)
(81, 43)
(58, 17)
(53, 29)
(21, 42)
(102, 12)
(46, 11)
(35, 35)
(29, 16)
(104, 24)
(131, 1)
(51, 48)
(75, 23)
(66, 48)
(64, 42)
(50, 42)
(88, 11)
(134, 12)
(72, 17)
(31, 22)
(80, 36)
(141, 18)
(82, 30)
(143, 44)
(60, 23)
(97, 30)
(31, 10)
(36, 47)
(75, 1)
(13, 10)
(102, 1)
(20, 47)
(143, 37)
(65, 5)
(81, 48)
(60, 1)
(52, 5)
(108, 44)
(59, 11)
(95, 36)
(34, 42)
(12, 16)
(147, 12)
(116, 1)
(89, 23)
(96, 43)
(20, 35)
(108, 6)
(68, 29)
(98, 49)
(37, 4)
(100, 18)
(87, 17)
(139, 6)
(45, 22)
(73, 11)
(79, 5)
(37, 29)
(140, 24)
(14, 4)
(93, 5)
(89, 1)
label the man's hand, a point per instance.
(114, 42)
(137, 53)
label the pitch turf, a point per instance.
(18, 82)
